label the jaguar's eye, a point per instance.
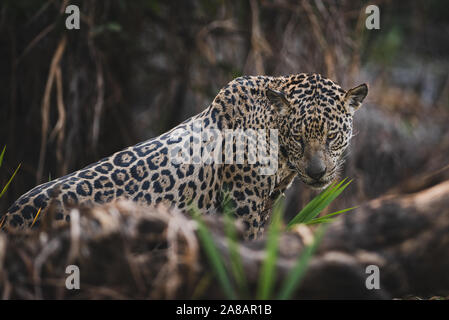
(331, 136)
(299, 139)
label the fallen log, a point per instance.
(124, 251)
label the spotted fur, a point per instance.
(314, 118)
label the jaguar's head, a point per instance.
(315, 123)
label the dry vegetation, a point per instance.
(137, 68)
(129, 252)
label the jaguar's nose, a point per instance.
(316, 169)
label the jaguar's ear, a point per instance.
(355, 96)
(279, 101)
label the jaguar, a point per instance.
(311, 115)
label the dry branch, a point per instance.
(45, 108)
(127, 251)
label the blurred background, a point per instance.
(137, 68)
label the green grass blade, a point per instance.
(297, 273)
(268, 270)
(319, 221)
(334, 192)
(214, 256)
(328, 216)
(313, 208)
(235, 259)
(202, 286)
(2, 155)
(301, 216)
(10, 180)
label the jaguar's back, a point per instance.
(312, 119)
